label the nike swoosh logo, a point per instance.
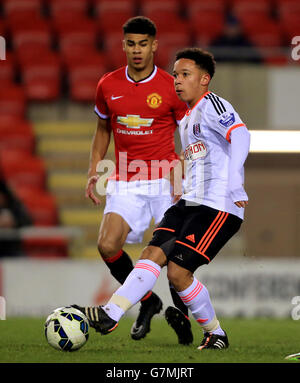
(115, 98)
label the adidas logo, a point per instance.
(191, 238)
(179, 256)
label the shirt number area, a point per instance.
(195, 151)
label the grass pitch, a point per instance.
(22, 340)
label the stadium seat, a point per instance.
(41, 75)
(12, 100)
(171, 38)
(36, 35)
(287, 8)
(16, 134)
(151, 7)
(104, 7)
(8, 69)
(75, 32)
(290, 26)
(40, 204)
(73, 8)
(3, 28)
(206, 26)
(112, 22)
(20, 169)
(40, 246)
(264, 35)
(195, 6)
(84, 74)
(23, 8)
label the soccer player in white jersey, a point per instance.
(216, 143)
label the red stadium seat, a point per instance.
(151, 7)
(40, 204)
(16, 135)
(84, 74)
(36, 35)
(195, 6)
(112, 14)
(290, 27)
(264, 35)
(111, 22)
(41, 75)
(103, 7)
(207, 26)
(171, 38)
(8, 69)
(73, 8)
(287, 8)
(40, 246)
(20, 169)
(12, 101)
(23, 8)
(75, 32)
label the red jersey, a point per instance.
(143, 117)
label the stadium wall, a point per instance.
(239, 287)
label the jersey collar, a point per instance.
(147, 79)
(189, 111)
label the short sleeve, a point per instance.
(101, 108)
(221, 116)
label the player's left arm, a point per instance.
(240, 143)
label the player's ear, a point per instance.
(205, 79)
(154, 45)
(123, 44)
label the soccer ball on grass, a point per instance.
(66, 329)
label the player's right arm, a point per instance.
(100, 143)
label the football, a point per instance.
(66, 329)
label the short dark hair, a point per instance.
(140, 25)
(205, 60)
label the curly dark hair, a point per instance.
(140, 25)
(205, 60)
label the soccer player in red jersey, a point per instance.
(139, 106)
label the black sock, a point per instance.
(120, 266)
(177, 301)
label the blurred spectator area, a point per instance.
(60, 48)
(57, 50)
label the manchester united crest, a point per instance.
(154, 100)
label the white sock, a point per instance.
(196, 298)
(141, 280)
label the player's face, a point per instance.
(190, 81)
(139, 50)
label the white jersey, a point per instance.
(205, 137)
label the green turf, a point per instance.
(22, 340)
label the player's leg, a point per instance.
(141, 280)
(196, 298)
(203, 234)
(112, 236)
(164, 237)
(178, 316)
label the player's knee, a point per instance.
(154, 254)
(180, 278)
(107, 247)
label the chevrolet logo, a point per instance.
(134, 121)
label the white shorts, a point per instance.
(138, 202)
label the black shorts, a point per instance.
(191, 236)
